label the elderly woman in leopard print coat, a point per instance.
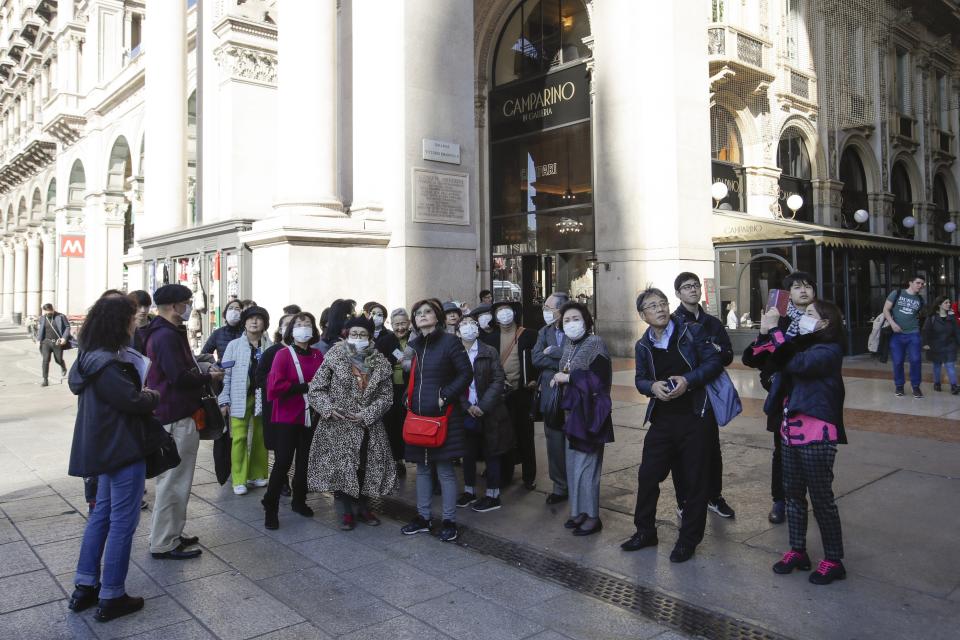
(350, 454)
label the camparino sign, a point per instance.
(542, 103)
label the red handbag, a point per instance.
(424, 431)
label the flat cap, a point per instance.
(172, 294)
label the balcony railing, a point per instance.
(731, 44)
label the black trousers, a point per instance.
(519, 403)
(680, 442)
(714, 477)
(48, 348)
(776, 469)
(393, 422)
(292, 443)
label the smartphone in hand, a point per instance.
(778, 299)
(671, 385)
(227, 364)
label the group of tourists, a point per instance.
(347, 399)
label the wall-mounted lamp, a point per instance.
(718, 191)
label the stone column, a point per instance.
(3, 289)
(827, 199)
(881, 213)
(8, 266)
(48, 285)
(33, 275)
(20, 276)
(166, 118)
(307, 109)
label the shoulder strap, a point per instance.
(413, 375)
(306, 401)
(509, 349)
(50, 324)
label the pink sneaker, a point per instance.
(828, 571)
(791, 560)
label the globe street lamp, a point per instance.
(719, 192)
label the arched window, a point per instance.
(78, 184)
(941, 209)
(795, 175)
(540, 35)
(52, 199)
(854, 192)
(10, 218)
(902, 200)
(22, 212)
(726, 151)
(36, 206)
(119, 168)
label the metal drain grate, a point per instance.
(669, 611)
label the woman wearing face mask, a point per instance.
(383, 339)
(337, 315)
(441, 374)
(260, 379)
(220, 338)
(242, 402)
(585, 377)
(484, 317)
(487, 423)
(393, 421)
(293, 368)
(350, 455)
(807, 395)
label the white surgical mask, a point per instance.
(574, 329)
(484, 320)
(505, 316)
(359, 343)
(469, 332)
(232, 316)
(549, 316)
(807, 324)
(302, 334)
(186, 312)
(377, 320)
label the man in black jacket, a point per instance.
(515, 345)
(687, 288)
(53, 336)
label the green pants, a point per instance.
(246, 465)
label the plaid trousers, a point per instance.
(809, 467)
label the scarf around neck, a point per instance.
(794, 314)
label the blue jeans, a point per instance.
(448, 489)
(951, 368)
(905, 345)
(110, 529)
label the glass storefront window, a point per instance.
(542, 171)
(540, 35)
(726, 151)
(795, 175)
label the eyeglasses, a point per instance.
(665, 306)
(358, 334)
(690, 286)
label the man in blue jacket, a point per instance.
(674, 363)
(688, 288)
(546, 358)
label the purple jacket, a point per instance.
(173, 372)
(588, 406)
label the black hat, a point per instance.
(251, 312)
(513, 304)
(480, 309)
(360, 321)
(370, 306)
(172, 294)
(452, 306)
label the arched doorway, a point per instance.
(902, 202)
(765, 272)
(726, 153)
(795, 175)
(119, 171)
(541, 183)
(854, 193)
(941, 209)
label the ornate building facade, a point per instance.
(392, 151)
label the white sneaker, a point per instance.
(260, 482)
(239, 489)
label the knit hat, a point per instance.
(370, 306)
(362, 322)
(251, 312)
(172, 294)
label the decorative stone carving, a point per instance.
(248, 64)
(257, 10)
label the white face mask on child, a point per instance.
(807, 324)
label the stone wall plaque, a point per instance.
(441, 197)
(440, 151)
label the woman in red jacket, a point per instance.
(293, 369)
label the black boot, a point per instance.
(116, 607)
(954, 389)
(271, 516)
(937, 387)
(83, 597)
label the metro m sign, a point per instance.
(72, 246)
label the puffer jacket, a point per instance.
(703, 358)
(488, 376)
(220, 338)
(941, 335)
(807, 373)
(113, 411)
(236, 379)
(442, 371)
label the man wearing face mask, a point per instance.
(515, 345)
(402, 360)
(485, 319)
(803, 293)
(546, 358)
(175, 375)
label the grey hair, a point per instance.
(562, 297)
(649, 292)
(399, 312)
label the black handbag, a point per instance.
(163, 454)
(222, 457)
(553, 415)
(212, 419)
